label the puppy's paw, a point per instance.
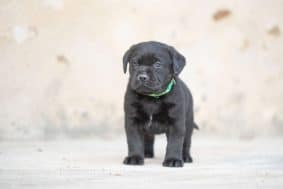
(133, 160)
(148, 154)
(187, 159)
(173, 163)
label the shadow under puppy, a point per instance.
(157, 101)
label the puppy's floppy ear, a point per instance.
(178, 60)
(126, 58)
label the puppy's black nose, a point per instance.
(142, 77)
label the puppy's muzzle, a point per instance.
(142, 77)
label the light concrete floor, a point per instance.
(97, 163)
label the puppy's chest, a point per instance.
(153, 117)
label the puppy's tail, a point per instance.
(196, 126)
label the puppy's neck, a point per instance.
(166, 91)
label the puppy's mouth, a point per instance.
(146, 87)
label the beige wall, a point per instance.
(61, 72)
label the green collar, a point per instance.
(167, 90)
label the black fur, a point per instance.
(152, 66)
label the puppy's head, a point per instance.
(152, 65)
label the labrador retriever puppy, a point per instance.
(157, 101)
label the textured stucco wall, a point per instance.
(61, 72)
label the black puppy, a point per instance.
(157, 101)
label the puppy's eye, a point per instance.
(134, 63)
(157, 64)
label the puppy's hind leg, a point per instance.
(187, 144)
(148, 145)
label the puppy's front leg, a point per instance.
(175, 139)
(135, 144)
